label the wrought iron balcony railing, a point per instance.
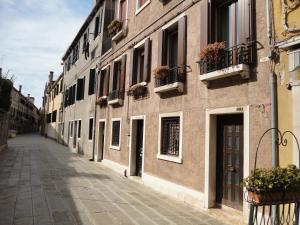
(240, 54)
(173, 76)
(116, 94)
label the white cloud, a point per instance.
(34, 34)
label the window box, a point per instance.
(115, 97)
(138, 89)
(169, 81)
(232, 61)
(101, 101)
(170, 137)
(121, 33)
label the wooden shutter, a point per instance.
(132, 72)
(160, 47)
(92, 81)
(181, 63)
(96, 27)
(123, 74)
(111, 78)
(106, 81)
(79, 87)
(147, 60)
(244, 18)
(204, 24)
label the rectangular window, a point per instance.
(49, 118)
(122, 10)
(80, 89)
(85, 41)
(92, 82)
(71, 124)
(115, 134)
(104, 82)
(294, 60)
(96, 30)
(79, 129)
(91, 125)
(61, 85)
(54, 113)
(171, 47)
(170, 134)
(62, 127)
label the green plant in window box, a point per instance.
(272, 186)
(161, 72)
(114, 27)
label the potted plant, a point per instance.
(114, 27)
(161, 72)
(138, 89)
(273, 186)
(101, 100)
(212, 52)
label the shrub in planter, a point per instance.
(101, 100)
(276, 185)
(161, 72)
(114, 27)
(212, 52)
(137, 89)
(5, 89)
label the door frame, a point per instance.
(104, 138)
(211, 151)
(131, 165)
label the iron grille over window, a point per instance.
(115, 140)
(170, 136)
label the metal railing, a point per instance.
(240, 54)
(173, 76)
(116, 94)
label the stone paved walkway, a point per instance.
(42, 183)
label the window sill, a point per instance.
(114, 147)
(241, 69)
(122, 33)
(115, 101)
(138, 10)
(175, 159)
(170, 87)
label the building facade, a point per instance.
(287, 68)
(53, 109)
(23, 114)
(172, 92)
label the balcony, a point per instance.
(173, 80)
(115, 97)
(118, 29)
(234, 61)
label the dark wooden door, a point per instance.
(139, 147)
(230, 160)
(101, 140)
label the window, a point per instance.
(117, 79)
(71, 125)
(115, 134)
(140, 63)
(96, 30)
(122, 10)
(61, 85)
(80, 89)
(79, 129)
(62, 127)
(141, 4)
(75, 53)
(54, 113)
(85, 41)
(49, 118)
(91, 125)
(104, 82)
(172, 50)
(294, 60)
(170, 137)
(92, 82)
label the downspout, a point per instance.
(273, 85)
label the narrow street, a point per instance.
(42, 183)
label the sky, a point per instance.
(34, 35)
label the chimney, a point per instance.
(20, 88)
(51, 76)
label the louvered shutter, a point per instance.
(106, 81)
(92, 81)
(245, 23)
(132, 72)
(123, 74)
(204, 23)
(147, 60)
(96, 31)
(111, 78)
(160, 47)
(181, 63)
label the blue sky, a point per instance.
(34, 35)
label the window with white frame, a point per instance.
(140, 4)
(294, 60)
(170, 137)
(115, 133)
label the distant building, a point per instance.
(52, 108)
(23, 114)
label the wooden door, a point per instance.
(230, 160)
(101, 140)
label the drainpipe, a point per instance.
(273, 86)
